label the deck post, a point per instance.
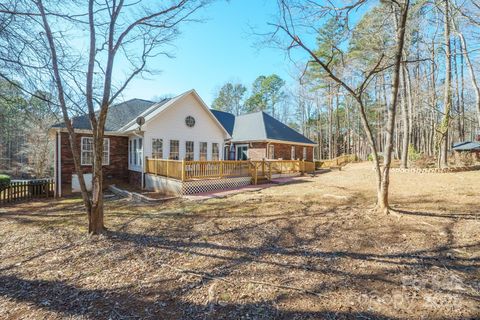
(183, 169)
(168, 161)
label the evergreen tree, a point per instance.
(230, 98)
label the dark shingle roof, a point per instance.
(118, 115)
(467, 146)
(258, 126)
(277, 130)
(226, 119)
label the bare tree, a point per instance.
(288, 24)
(122, 38)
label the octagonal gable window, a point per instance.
(190, 121)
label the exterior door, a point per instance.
(242, 152)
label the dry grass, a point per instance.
(312, 249)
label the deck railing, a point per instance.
(193, 170)
(166, 168)
(216, 169)
(336, 162)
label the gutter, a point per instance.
(276, 141)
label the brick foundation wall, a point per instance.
(283, 150)
(135, 179)
(117, 170)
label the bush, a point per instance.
(413, 155)
(4, 181)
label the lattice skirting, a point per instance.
(199, 186)
(177, 187)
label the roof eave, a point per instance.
(88, 131)
(274, 141)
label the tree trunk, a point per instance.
(405, 121)
(382, 195)
(95, 225)
(447, 98)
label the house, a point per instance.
(179, 128)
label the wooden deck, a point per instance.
(200, 170)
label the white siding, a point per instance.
(170, 125)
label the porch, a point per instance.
(189, 177)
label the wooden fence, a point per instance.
(193, 170)
(19, 190)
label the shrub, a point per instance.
(4, 181)
(413, 155)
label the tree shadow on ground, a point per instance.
(66, 300)
(459, 216)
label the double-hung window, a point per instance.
(86, 146)
(157, 148)
(304, 153)
(189, 150)
(203, 151)
(215, 152)
(174, 150)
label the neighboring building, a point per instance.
(179, 128)
(472, 147)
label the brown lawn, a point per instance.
(312, 249)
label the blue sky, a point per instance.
(220, 49)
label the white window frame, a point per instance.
(140, 151)
(170, 150)
(106, 153)
(304, 153)
(216, 157)
(136, 147)
(200, 153)
(155, 153)
(292, 152)
(190, 153)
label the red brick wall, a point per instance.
(117, 170)
(135, 179)
(283, 150)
